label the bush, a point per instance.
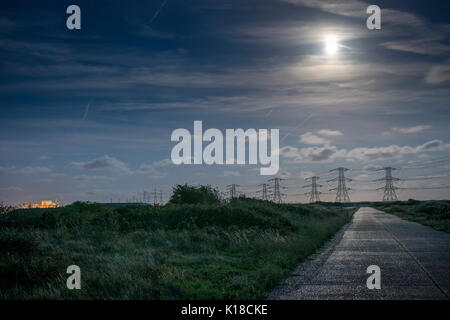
(412, 202)
(184, 194)
(4, 209)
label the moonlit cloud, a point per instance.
(310, 138)
(28, 170)
(231, 174)
(422, 46)
(154, 169)
(11, 189)
(104, 163)
(328, 153)
(438, 74)
(351, 8)
(330, 133)
(414, 129)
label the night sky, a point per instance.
(87, 114)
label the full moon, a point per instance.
(331, 45)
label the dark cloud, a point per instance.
(323, 154)
(106, 162)
(438, 74)
(431, 145)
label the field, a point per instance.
(196, 249)
(435, 214)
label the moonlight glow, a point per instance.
(331, 45)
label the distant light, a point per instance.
(45, 204)
(331, 44)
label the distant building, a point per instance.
(42, 205)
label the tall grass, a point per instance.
(435, 214)
(219, 250)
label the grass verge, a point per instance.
(435, 214)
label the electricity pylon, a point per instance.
(314, 194)
(155, 197)
(263, 191)
(232, 190)
(389, 188)
(144, 196)
(276, 189)
(342, 190)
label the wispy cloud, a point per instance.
(154, 169)
(27, 170)
(414, 129)
(86, 111)
(7, 25)
(328, 153)
(155, 15)
(11, 189)
(439, 73)
(104, 163)
(350, 8)
(330, 133)
(310, 138)
(421, 46)
(231, 174)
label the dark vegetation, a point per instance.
(195, 247)
(4, 209)
(435, 214)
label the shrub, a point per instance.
(412, 202)
(185, 194)
(5, 209)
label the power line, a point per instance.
(428, 163)
(424, 188)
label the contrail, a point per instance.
(268, 113)
(285, 136)
(300, 124)
(307, 118)
(86, 111)
(159, 10)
